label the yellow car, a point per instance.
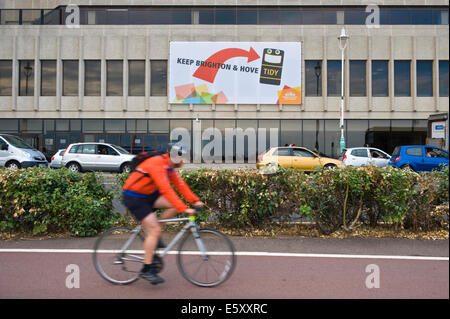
(295, 157)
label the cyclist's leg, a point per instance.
(153, 229)
(169, 211)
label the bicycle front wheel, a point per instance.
(210, 267)
(117, 258)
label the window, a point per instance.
(48, 78)
(139, 17)
(356, 132)
(92, 78)
(400, 17)
(402, 76)
(31, 16)
(424, 73)
(117, 16)
(26, 77)
(301, 153)
(357, 78)
(443, 78)
(419, 16)
(359, 153)
(334, 77)
(377, 154)
(114, 78)
(290, 16)
(9, 16)
(136, 78)
(225, 16)
(5, 77)
(380, 78)
(414, 151)
(181, 16)
(355, 16)
(269, 17)
(158, 85)
(86, 149)
(312, 16)
(160, 16)
(206, 16)
(282, 152)
(247, 16)
(313, 77)
(70, 77)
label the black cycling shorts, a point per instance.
(140, 207)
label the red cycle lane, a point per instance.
(43, 275)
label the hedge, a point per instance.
(42, 200)
(334, 199)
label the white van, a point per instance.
(16, 153)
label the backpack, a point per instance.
(141, 157)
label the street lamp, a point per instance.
(343, 40)
(27, 71)
(318, 72)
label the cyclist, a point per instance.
(148, 187)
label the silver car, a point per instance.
(359, 156)
(80, 157)
(56, 159)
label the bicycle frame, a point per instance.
(191, 225)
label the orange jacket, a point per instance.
(161, 175)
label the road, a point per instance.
(279, 268)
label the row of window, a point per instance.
(92, 77)
(135, 134)
(158, 77)
(272, 15)
(380, 77)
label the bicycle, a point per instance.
(118, 254)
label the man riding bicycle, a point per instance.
(148, 187)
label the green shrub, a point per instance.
(42, 200)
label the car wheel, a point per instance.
(74, 167)
(13, 165)
(330, 166)
(125, 168)
(406, 166)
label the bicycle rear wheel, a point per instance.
(214, 267)
(114, 264)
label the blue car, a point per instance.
(419, 158)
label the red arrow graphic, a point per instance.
(208, 70)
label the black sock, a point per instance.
(146, 267)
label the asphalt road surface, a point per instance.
(283, 268)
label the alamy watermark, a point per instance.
(73, 279)
(373, 19)
(373, 279)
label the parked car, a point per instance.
(299, 158)
(80, 157)
(56, 159)
(359, 156)
(16, 153)
(419, 158)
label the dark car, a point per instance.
(420, 158)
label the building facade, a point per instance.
(106, 78)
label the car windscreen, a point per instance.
(396, 151)
(17, 142)
(121, 150)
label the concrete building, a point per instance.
(107, 78)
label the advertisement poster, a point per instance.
(235, 73)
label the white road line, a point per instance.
(240, 253)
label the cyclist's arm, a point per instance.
(159, 177)
(183, 188)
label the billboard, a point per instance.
(235, 72)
